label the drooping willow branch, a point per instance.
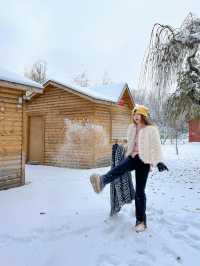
(191, 66)
(171, 66)
(171, 53)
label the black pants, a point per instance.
(141, 174)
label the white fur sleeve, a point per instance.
(156, 148)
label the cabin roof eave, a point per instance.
(81, 94)
(18, 86)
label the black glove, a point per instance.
(162, 167)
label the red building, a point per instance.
(194, 130)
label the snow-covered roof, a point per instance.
(13, 77)
(111, 92)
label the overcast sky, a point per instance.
(77, 35)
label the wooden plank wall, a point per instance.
(121, 118)
(103, 128)
(113, 122)
(11, 168)
(69, 138)
(78, 132)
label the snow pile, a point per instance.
(81, 134)
(57, 219)
(110, 92)
(6, 75)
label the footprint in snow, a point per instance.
(189, 239)
(16, 239)
(110, 229)
(195, 224)
(171, 253)
(107, 260)
(146, 254)
(81, 231)
(194, 237)
(136, 262)
(155, 211)
(51, 234)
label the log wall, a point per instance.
(78, 133)
(112, 122)
(68, 119)
(11, 131)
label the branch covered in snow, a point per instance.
(171, 53)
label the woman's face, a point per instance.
(137, 118)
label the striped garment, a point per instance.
(121, 189)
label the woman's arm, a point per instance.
(156, 149)
(155, 146)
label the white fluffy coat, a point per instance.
(149, 144)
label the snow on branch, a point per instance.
(171, 64)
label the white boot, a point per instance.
(140, 227)
(95, 180)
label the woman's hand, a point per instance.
(162, 167)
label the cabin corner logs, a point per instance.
(73, 131)
(11, 138)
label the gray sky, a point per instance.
(77, 35)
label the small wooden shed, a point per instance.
(194, 130)
(12, 157)
(72, 126)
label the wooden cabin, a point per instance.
(12, 157)
(75, 127)
(194, 130)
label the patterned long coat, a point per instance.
(121, 189)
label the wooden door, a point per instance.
(36, 140)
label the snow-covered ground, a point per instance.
(57, 220)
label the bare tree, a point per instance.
(139, 96)
(106, 80)
(38, 71)
(81, 79)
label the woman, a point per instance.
(143, 152)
